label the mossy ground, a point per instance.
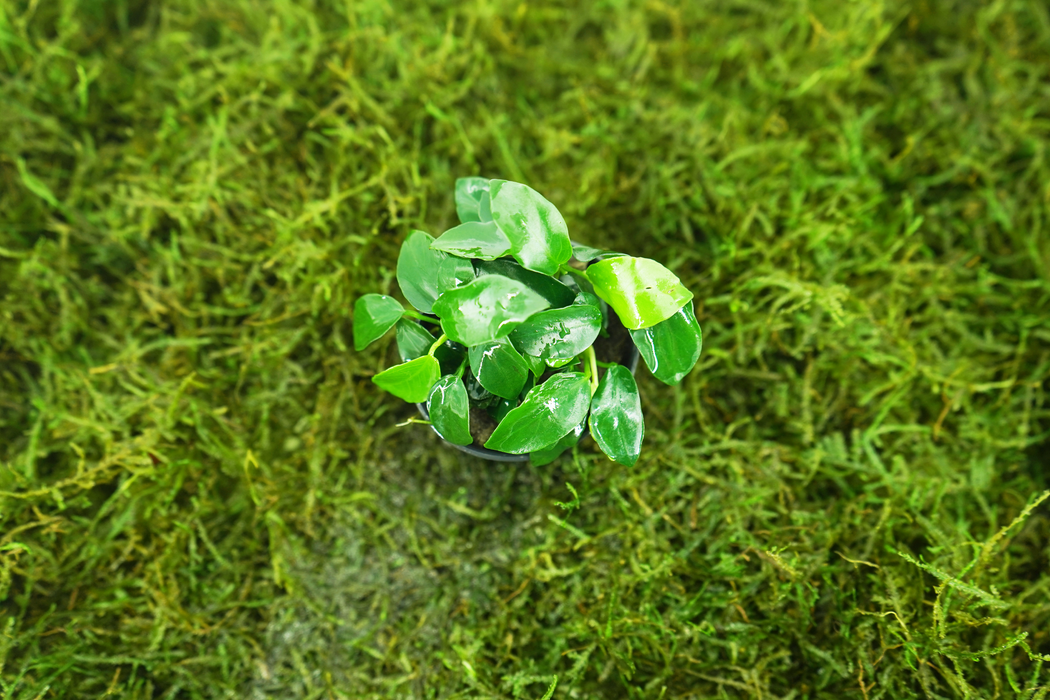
(202, 494)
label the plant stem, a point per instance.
(592, 368)
(416, 315)
(437, 344)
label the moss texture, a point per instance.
(202, 494)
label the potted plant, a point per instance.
(520, 340)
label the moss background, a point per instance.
(202, 495)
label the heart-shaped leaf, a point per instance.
(499, 368)
(374, 315)
(556, 293)
(486, 309)
(449, 410)
(641, 291)
(483, 241)
(559, 334)
(472, 199)
(672, 347)
(410, 381)
(538, 235)
(549, 411)
(541, 457)
(424, 274)
(616, 416)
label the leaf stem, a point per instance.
(418, 316)
(592, 368)
(437, 344)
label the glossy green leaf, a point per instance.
(499, 368)
(616, 416)
(449, 410)
(556, 293)
(424, 274)
(559, 334)
(486, 309)
(585, 253)
(641, 291)
(672, 347)
(471, 193)
(549, 411)
(536, 365)
(412, 340)
(538, 235)
(410, 381)
(483, 241)
(541, 457)
(374, 315)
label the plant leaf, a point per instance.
(499, 368)
(449, 410)
(672, 347)
(470, 193)
(374, 315)
(556, 293)
(413, 340)
(538, 235)
(424, 274)
(412, 380)
(473, 239)
(616, 416)
(549, 411)
(585, 253)
(536, 365)
(486, 309)
(641, 291)
(559, 334)
(541, 457)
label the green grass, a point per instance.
(203, 495)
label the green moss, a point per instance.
(203, 495)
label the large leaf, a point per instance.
(538, 235)
(549, 411)
(483, 241)
(641, 291)
(424, 274)
(449, 410)
(541, 457)
(556, 293)
(374, 315)
(672, 347)
(559, 334)
(499, 368)
(616, 416)
(486, 309)
(472, 199)
(412, 380)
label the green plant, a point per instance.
(520, 308)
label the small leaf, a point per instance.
(538, 235)
(541, 457)
(483, 241)
(470, 193)
(410, 381)
(559, 334)
(499, 368)
(536, 365)
(374, 315)
(672, 347)
(449, 410)
(424, 274)
(500, 410)
(556, 293)
(486, 309)
(549, 411)
(412, 340)
(585, 253)
(641, 291)
(616, 416)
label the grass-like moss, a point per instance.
(202, 494)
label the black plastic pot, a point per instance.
(630, 362)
